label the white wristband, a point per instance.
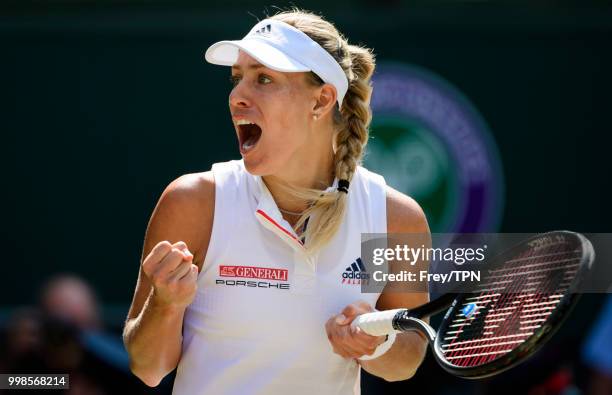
(382, 348)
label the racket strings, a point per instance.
(511, 324)
(512, 303)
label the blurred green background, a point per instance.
(105, 102)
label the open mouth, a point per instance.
(248, 135)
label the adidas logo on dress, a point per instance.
(356, 273)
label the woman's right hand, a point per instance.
(170, 269)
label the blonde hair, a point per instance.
(327, 209)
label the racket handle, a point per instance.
(379, 323)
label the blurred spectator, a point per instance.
(23, 341)
(70, 298)
(64, 334)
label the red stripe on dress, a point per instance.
(278, 226)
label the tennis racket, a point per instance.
(523, 298)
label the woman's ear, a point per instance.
(325, 101)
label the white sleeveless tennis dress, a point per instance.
(257, 323)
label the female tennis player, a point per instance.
(250, 272)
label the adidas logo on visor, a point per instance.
(284, 48)
(356, 273)
(264, 30)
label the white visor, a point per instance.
(279, 46)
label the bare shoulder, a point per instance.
(190, 191)
(404, 215)
(184, 212)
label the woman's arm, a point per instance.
(180, 225)
(401, 361)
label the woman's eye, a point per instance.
(264, 79)
(234, 80)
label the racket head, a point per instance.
(495, 333)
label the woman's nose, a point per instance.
(239, 97)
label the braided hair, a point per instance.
(351, 123)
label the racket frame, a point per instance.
(535, 341)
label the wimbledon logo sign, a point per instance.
(431, 143)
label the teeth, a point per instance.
(244, 122)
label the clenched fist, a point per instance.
(170, 269)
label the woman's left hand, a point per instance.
(351, 342)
